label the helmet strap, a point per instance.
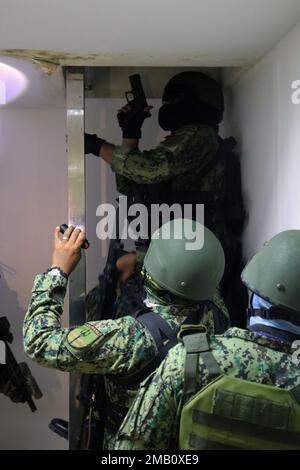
(275, 313)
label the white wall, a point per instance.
(33, 200)
(266, 124)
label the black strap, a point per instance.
(159, 328)
(163, 349)
(164, 336)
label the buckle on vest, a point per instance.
(190, 329)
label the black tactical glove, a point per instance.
(93, 144)
(131, 122)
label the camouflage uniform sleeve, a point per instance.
(152, 422)
(105, 347)
(188, 148)
(142, 167)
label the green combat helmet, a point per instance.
(205, 89)
(186, 259)
(234, 413)
(274, 272)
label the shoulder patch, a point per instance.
(83, 336)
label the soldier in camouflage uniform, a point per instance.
(132, 295)
(122, 347)
(263, 354)
(186, 168)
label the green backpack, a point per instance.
(230, 413)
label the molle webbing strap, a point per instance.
(197, 442)
(240, 428)
(196, 344)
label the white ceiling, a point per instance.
(173, 33)
(143, 32)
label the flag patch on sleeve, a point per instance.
(83, 336)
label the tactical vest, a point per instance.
(224, 207)
(230, 413)
(164, 337)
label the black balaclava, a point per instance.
(181, 107)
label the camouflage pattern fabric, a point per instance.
(180, 157)
(178, 161)
(132, 299)
(153, 421)
(128, 303)
(108, 347)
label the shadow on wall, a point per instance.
(9, 303)
(20, 428)
(10, 308)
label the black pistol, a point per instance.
(136, 96)
(63, 228)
